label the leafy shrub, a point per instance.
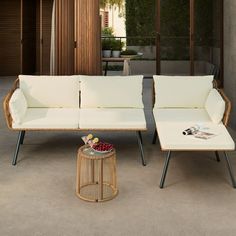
(129, 52)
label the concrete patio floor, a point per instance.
(37, 197)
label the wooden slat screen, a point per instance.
(10, 36)
(28, 37)
(64, 37)
(46, 35)
(88, 37)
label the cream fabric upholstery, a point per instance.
(17, 106)
(171, 137)
(105, 118)
(49, 77)
(181, 91)
(215, 106)
(49, 118)
(50, 91)
(182, 102)
(108, 77)
(115, 92)
(181, 115)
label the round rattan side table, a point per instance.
(96, 175)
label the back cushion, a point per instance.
(113, 92)
(82, 77)
(215, 106)
(50, 91)
(182, 91)
(18, 106)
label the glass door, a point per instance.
(173, 37)
(208, 37)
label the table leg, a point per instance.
(78, 175)
(101, 180)
(92, 171)
(230, 170)
(106, 68)
(126, 67)
(165, 169)
(217, 156)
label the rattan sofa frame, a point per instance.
(21, 135)
(225, 121)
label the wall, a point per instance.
(230, 55)
(117, 22)
(10, 36)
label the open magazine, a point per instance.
(203, 135)
(197, 132)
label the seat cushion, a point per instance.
(17, 106)
(115, 92)
(181, 115)
(182, 91)
(215, 106)
(171, 137)
(49, 118)
(116, 119)
(51, 91)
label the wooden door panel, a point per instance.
(87, 37)
(10, 37)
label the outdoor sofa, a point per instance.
(185, 101)
(76, 103)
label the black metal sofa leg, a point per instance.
(217, 156)
(163, 177)
(20, 141)
(154, 137)
(230, 170)
(22, 137)
(140, 143)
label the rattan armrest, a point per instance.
(6, 104)
(227, 107)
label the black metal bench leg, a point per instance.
(154, 137)
(22, 137)
(217, 156)
(163, 177)
(230, 170)
(20, 141)
(140, 143)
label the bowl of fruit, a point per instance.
(96, 145)
(102, 147)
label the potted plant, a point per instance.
(128, 53)
(117, 46)
(106, 47)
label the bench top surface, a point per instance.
(171, 137)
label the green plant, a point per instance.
(117, 45)
(108, 31)
(110, 3)
(106, 44)
(129, 52)
(140, 22)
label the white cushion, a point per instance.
(49, 77)
(171, 137)
(17, 106)
(115, 92)
(49, 118)
(215, 106)
(51, 91)
(182, 91)
(84, 77)
(105, 118)
(199, 115)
